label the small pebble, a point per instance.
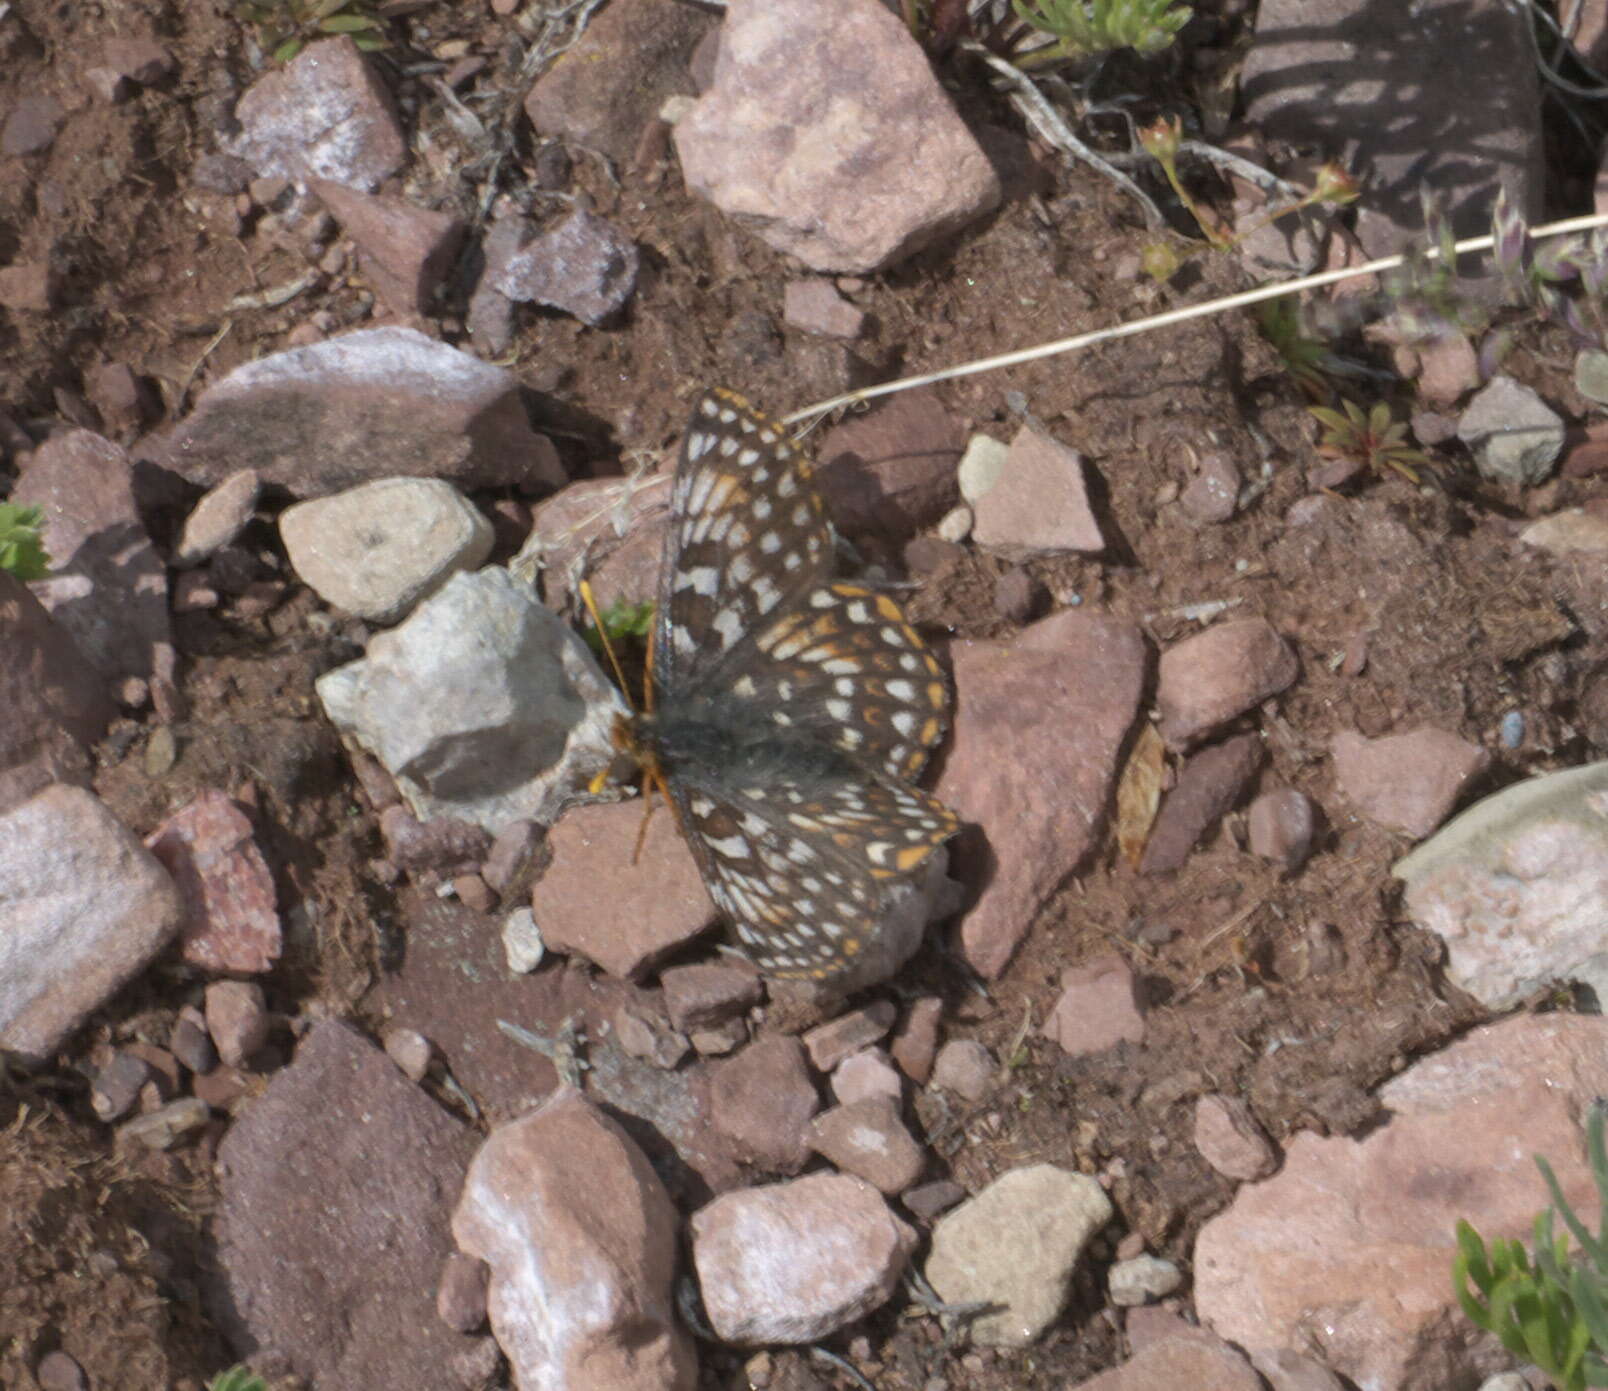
(522, 942)
(1512, 729)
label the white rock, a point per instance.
(981, 465)
(522, 942)
(377, 549)
(483, 705)
(1142, 1280)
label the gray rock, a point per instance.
(483, 706)
(1591, 375)
(85, 908)
(1514, 435)
(1515, 885)
(584, 266)
(377, 550)
(1141, 1280)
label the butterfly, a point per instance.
(791, 709)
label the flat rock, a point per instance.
(892, 470)
(815, 306)
(1574, 531)
(1217, 675)
(867, 1139)
(580, 1238)
(108, 586)
(344, 1168)
(482, 685)
(231, 921)
(1193, 1359)
(1039, 506)
(762, 1102)
(827, 134)
(406, 251)
(1098, 1007)
(1055, 703)
(1515, 886)
(323, 115)
(377, 403)
(217, 519)
(1514, 435)
(794, 1262)
(1346, 1252)
(55, 701)
(1404, 782)
(1016, 1244)
(378, 549)
(85, 908)
(626, 912)
(1230, 1140)
(603, 90)
(584, 266)
(1336, 76)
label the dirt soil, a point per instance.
(1299, 993)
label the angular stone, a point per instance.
(964, 1066)
(584, 266)
(1213, 493)
(915, 1042)
(828, 1044)
(1515, 886)
(344, 1167)
(1514, 435)
(481, 679)
(867, 1139)
(28, 287)
(580, 1236)
(827, 133)
(324, 115)
(815, 306)
(108, 587)
(623, 911)
(85, 908)
(237, 1019)
(1098, 1007)
(1016, 1244)
(1404, 782)
(381, 402)
(1574, 531)
(31, 125)
(407, 250)
(217, 519)
(378, 549)
(1230, 1140)
(865, 1075)
(1193, 1360)
(795, 1262)
(1207, 680)
(762, 1102)
(892, 470)
(698, 997)
(1054, 703)
(1040, 505)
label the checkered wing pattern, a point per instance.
(747, 532)
(791, 708)
(801, 872)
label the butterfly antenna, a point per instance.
(603, 636)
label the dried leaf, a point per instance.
(1139, 793)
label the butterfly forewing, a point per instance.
(747, 532)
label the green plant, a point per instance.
(21, 551)
(237, 1378)
(285, 27)
(1547, 1306)
(622, 620)
(1371, 437)
(1088, 28)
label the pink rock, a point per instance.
(109, 587)
(1098, 1008)
(794, 1262)
(28, 286)
(86, 907)
(595, 901)
(634, 55)
(892, 470)
(1448, 368)
(124, 399)
(815, 306)
(580, 1236)
(1230, 1140)
(139, 59)
(324, 115)
(31, 126)
(698, 997)
(830, 1043)
(1055, 704)
(867, 1139)
(231, 918)
(1346, 1251)
(461, 1297)
(1040, 505)
(237, 1019)
(1195, 1359)
(584, 266)
(409, 1050)
(407, 250)
(1210, 783)
(915, 1042)
(644, 1035)
(55, 701)
(1405, 782)
(1280, 825)
(762, 1102)
(1213, 493)
(605, 528)
(827, 132)
(1207, 680)
(380, 402)
(964, 1066)
(865, 1075)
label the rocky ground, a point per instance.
(334, 1049)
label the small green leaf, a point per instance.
(287, 50)
(348, 23)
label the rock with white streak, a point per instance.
(85, 907)
(828, 134)
(580, 1238)
(794, 1262)
(1516, 884)
(482, 678)
(378, 403)
(377, 550)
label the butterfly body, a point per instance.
(791, 709)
